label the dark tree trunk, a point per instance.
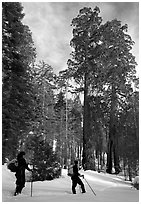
(113, 140)
(109, 157)
(86, 127)
(129, 172)
(3, 152)
(116, 158)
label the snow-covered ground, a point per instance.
(108, 188)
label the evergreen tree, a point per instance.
(85, 38)
(75, 132)
(44, 101)
(103, 65)
(18, 53)
(41, 157)
(129, 135)
(118, 75)
(99, 128)
(60, 111)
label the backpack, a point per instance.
(12, 165)
(70, 170)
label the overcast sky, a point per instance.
(50, 22)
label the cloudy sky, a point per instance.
(50, 22)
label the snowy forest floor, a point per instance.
(108, 188)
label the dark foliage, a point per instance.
(18, 53)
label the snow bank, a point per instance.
(136, 180)
(108, 188)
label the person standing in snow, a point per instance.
(20, 173)
(75, 178)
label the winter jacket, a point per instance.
(20, 173)
(75, 172)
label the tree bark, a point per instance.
(113, 140)
(86, 126)
(109, 157)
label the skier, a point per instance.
(75, 178)
(20, 173)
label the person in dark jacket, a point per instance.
(20, 173)
(75, 179)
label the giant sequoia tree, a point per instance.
(85, 38)
(103, 65)
(18, 53)
(119, 74)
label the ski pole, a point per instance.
(31, 183)
(90, 187)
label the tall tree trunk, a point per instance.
(129, 172)
(116, 158)
(113, 140)
(86, 126)
(109, 157)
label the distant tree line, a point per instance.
(42, 112)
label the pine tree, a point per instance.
(18, 53)
(41, 157)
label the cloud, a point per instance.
(50, 25)
(50, 32)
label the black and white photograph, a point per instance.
(70, 101)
